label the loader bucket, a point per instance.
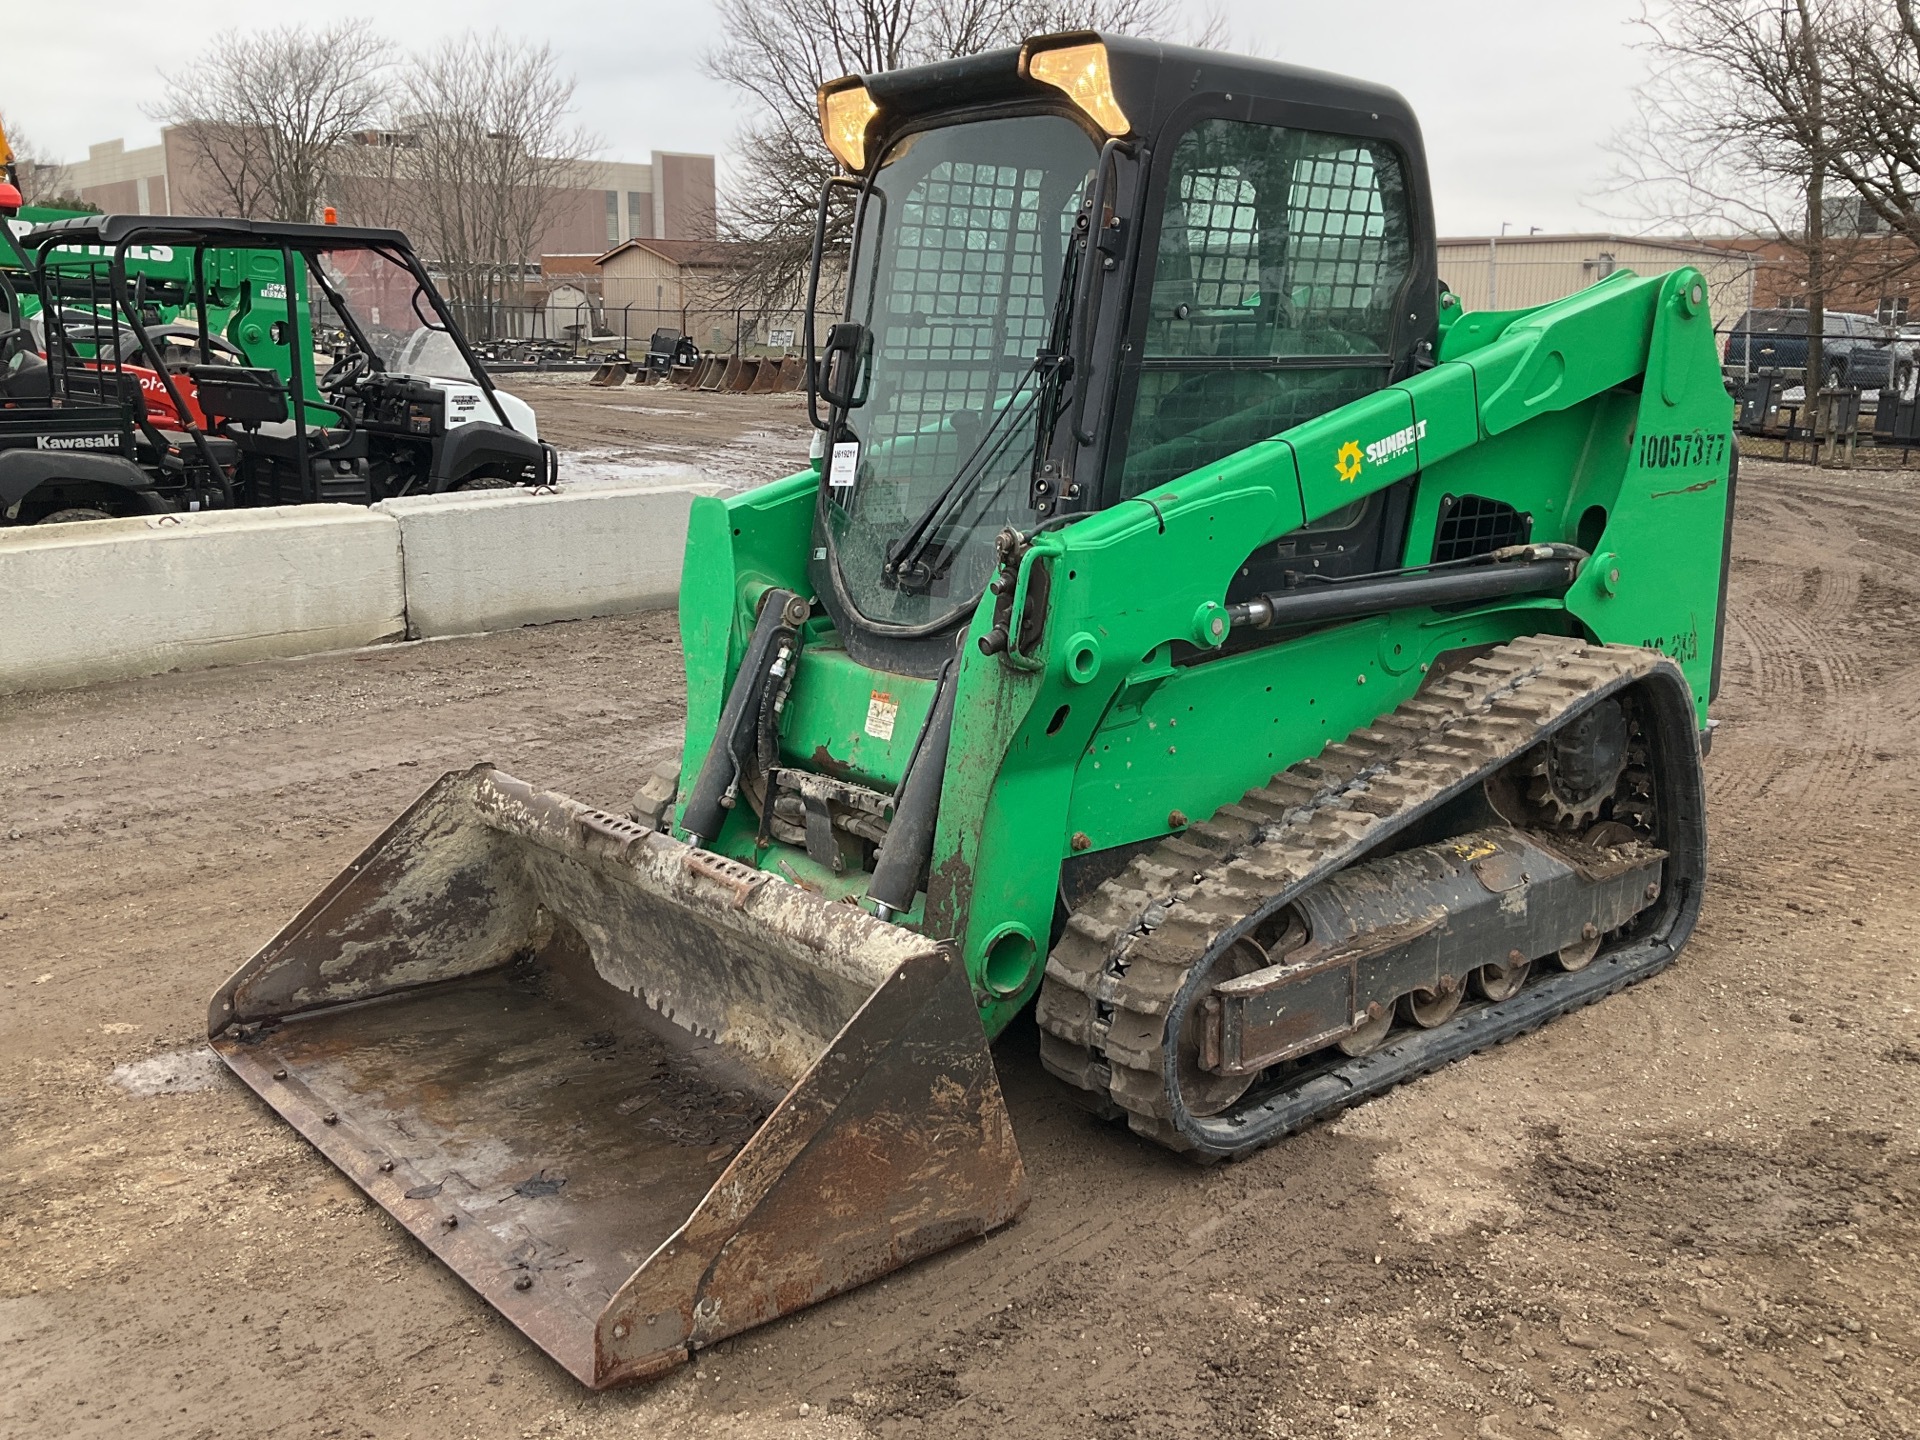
(767, 379)
(639, 1096)
(741, 376)
(610, 373)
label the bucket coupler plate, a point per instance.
(638, 1096)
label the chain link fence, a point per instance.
(1772, 404)
(575, 336)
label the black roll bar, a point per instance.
(122, 299)
(296, 390)
(424, 285)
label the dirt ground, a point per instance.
(635, 430)
(1691, 1211)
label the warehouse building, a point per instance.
(1514, 272)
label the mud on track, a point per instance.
(1693, 1210)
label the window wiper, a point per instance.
(903, 555)
(1051, 367)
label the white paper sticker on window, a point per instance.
(846, 460)
(881, 708)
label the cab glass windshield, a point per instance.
(406, 331)
(957, 268)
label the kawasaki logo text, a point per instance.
(77, 442)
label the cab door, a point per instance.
(1282, 284)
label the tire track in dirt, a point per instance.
(1807, 666)
(1806, 693)
(1674, 1204)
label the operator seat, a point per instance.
(24, 375)
(251, 408)
(179, 349)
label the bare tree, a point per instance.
(264, 114)
(484, 142)
(779, 52)
(1875, 114)
(1735, 130)
(42, 180)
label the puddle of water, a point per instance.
(751, 458)
(178, 1072)
(597, 469)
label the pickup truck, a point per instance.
(1859, 350)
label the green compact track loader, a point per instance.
(1194, 627)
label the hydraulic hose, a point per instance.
(718, 784)
(909, 842)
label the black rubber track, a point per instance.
(1135, 957)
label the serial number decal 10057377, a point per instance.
(1681, 452)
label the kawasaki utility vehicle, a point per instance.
(360, 389)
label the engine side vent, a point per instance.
(1474, 525)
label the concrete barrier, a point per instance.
(112, 599)
(109, 599)
(494, 559)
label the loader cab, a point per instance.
(1076, 271)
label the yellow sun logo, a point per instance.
(1348, 461)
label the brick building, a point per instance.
(669, 196)
(1871, 274)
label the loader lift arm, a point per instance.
(1633, 342)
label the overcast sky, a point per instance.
(1517, 97)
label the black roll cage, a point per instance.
(119, 234)
(1164, 90)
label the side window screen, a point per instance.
(1277, 280)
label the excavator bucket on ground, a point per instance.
(639, 1096)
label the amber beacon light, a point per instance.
(1079, 70)
(846, 109)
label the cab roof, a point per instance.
(189, 230)
(1151, 81)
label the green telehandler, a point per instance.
(1194, 627)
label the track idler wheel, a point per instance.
(1428, 1008)
(1369, 1036)
(1502, 981)
(1579, 954)
(1204, 1091)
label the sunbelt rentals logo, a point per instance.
(1348, 461)
(1352, 459)
(76, 442)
